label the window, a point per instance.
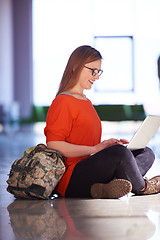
(118, 63)
(120, 29)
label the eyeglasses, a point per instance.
(95, 71)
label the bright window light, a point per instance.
(129, 63)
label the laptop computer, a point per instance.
(145, 132)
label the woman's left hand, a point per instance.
(124, 141)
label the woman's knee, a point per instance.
(150, 153)
(120, 152)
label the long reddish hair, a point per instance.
(80, 56)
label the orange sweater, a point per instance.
(74, 121)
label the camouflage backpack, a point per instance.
(36, 173)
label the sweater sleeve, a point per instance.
(59, 120)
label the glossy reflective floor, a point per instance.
(126, 218)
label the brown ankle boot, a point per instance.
(152, 186)
(115, 189)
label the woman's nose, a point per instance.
(96, 77)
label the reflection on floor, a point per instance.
(126, 218)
